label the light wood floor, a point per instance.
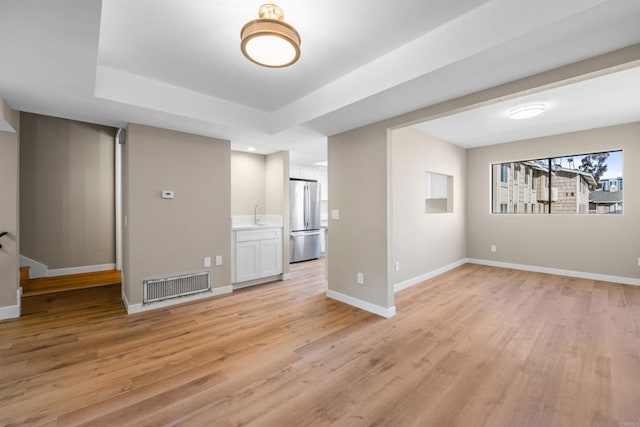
(477, 346)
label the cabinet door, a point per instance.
(323, 240)
(324, 187)
(270, 257)
(247, 260)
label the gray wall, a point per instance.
(66, 192)
(601, 244)
(9, 208)
(424, 242)
(357, 242)
(164, 237)
(247, 182)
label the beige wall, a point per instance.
(277, 196)
(424, 242)
(66, 192)
(9, 209)
(274, 180)
(601, 244)
(357, 242)
(172, 236)
(247, 182)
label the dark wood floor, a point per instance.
(477, 346)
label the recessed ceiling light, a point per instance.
(269, 41)
(526, 111)
(251, 148)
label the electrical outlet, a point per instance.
(360, 278)
(397, 266)
(218, 259)
(494, 248)
(207, 261)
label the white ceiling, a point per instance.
(602, 101)
(177, 64)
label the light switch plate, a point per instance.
(335, 213)
(218, 259)
(207, 261)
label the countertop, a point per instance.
(253, 226)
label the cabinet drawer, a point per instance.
(248, 235)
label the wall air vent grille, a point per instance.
(176, 286)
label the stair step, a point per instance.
(49, 285)
(24, 275)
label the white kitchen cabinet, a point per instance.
(270, 257)
(295, 171)
(247, 260)
(258, 254)
(324, 187)
(316, 173)
(323, 241)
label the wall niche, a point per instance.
(438, 193)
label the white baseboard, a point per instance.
(36, 269)
(260, 281)
(82, 269)
(125, 301)
(12, 311)
(138, 308)
(557, 271)
(286, 276)
(364, 305)
(426, 276)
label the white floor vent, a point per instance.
(176, 286)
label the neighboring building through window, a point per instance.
(504, 177)
(579, 184)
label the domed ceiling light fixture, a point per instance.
(527, 111)
(269, 41)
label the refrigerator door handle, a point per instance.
(307, 206)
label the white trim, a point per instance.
(286, 276)
(364, 305)
(124, 299)
(12, 311)
(118, 198)
(426, 276)
(259, 281)
(557, 271)
(82, 269)
(138, 308)
(36, 269)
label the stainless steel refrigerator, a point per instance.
(304, 208)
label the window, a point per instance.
(504, 175)
(590, 183)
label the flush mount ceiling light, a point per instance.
(526, 111)
(269, 41)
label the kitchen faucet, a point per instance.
(256, 216)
